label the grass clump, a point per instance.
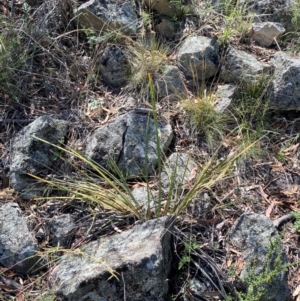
(12, 55)
(203, 114)
(237, 21)
(147, 58)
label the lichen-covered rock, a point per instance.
(242, 67)
(253, 235)
(198, 57)
(114, 66)
(225, 94)
(145, 196)
(30, 155)
(17, 245)
(109, 15)
(140, 256)
(62, 229)
(284, 90)
(265, 33)
(170, 84)
(178, 170)
(129, 141)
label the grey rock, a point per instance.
(198, 57)
(145, 196)
(284, 90)
(109, 15)
(114, 66)
(170, 84)
(163, 7)
(225, 94)
(241, 67)
(62, 229)
(166, 28)
(196, 288)
(17, 245)
(129, 141)
(252, 235)
(265, 33)
(29, 155)
(141, 257)
(270, 10)
(177, 169)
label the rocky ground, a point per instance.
(90, 89)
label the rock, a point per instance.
(179, 169)
(17, 245)
(62, 229)
(170, 84)
(252, 235)
(198, 57)
(265, 33)
(166, 28)
(29, 155)
(163, 7)
(270, 10)
(129, 141)
(196, 288)
(241, 67)
(109, 15)
(284, 90)
(114, 66)
(145, 196)
(141, 257)
(225, 95)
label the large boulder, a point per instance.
(284, 90)
(241, 67)
(130, 142)
(140, 257)
(256, 237)
(18, 247)
(109, 15)
(198, 57)
(30, 155)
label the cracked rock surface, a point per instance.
(130, 142)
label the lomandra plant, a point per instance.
(110, 190)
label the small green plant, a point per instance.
(257, 283)
(297, 220)
(189, 247)
(296, 14)
(146, 18)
